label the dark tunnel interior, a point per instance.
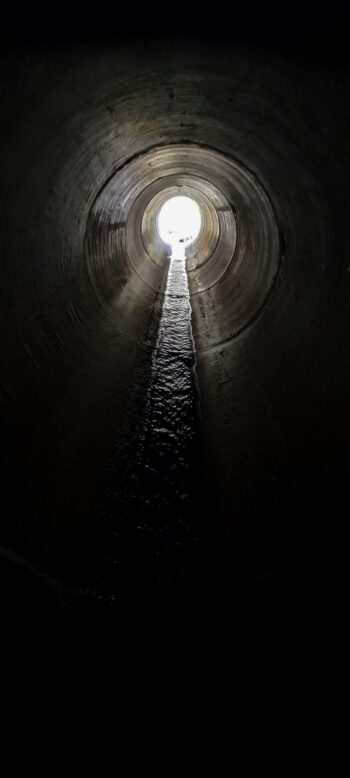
(175, 547)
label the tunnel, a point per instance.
(175, 440)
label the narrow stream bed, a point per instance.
(151, 521)
(172, 398)
(169, 457)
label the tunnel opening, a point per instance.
(179, 223)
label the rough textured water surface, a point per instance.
(152, 523)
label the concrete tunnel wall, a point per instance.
(273, 391)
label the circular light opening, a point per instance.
(179, 223)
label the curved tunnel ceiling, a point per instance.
(214, 624)
(91, 141)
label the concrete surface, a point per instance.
(79, 322)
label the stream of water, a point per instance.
(154, 514)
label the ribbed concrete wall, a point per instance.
(255, 656)
(274, 395)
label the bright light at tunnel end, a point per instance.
(179, 223)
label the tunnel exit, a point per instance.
(179, 224)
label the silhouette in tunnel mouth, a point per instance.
(179, 222)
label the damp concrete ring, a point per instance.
(233, 263)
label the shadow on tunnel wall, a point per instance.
(260, 557)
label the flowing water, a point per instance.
(170, 427)
(154, 540)
(168, 465)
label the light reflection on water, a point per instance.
(171, 408)
(151, 492)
